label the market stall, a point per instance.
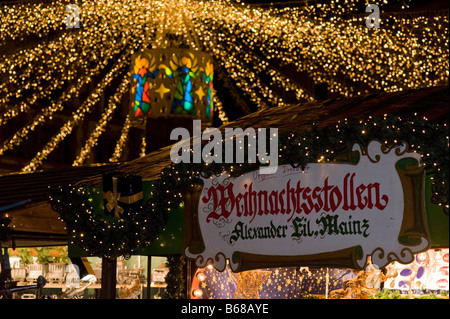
(243, 220)
(328, 131)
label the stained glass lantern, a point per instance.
(171, 82)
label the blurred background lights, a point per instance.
(264, 56)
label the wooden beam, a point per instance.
(109, 269)
(39, 218)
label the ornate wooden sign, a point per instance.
(333, 214)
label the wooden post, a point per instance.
(188, 282)
(149, 275)
(109, 269)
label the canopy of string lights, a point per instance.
(64, 88)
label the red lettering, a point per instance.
(316, 195)
(335, 198)
(307, 209)
(273, 201)
(221, 197)
(325, 189)
(359, 190)
(290, 195)
(294, 200)
(378, 205)
(280, 196)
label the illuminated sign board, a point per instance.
(333, 214)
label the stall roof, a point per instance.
(24, 198)
(432, 103)
(37, 219)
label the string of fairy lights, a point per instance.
(101, 125)
(96, 59)
(76, 118)
(35, 13)
(299, 149)
(121, 142)
(327, 42)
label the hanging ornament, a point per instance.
(172, 82)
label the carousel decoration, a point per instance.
(172, 82)
(143, 68)
(172, 77)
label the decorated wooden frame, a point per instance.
(330, 214)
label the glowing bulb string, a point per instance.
(219, 107)
(26, 105)
(246, 36)
(56, 106)
(234, 71)
(23, 74)
(49, 54)
(101, 125)
(77, 116)
(48, 112)
(259, 65)
(61, 62)
(121, 141)
(40, 19)
(256, 84)
(74, 56)
(290, 50)
(407, 52)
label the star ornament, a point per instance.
(162, 90)
(200, 93)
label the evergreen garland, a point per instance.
(174, 278)
(325, 144)
(111, 237)
(106, 236)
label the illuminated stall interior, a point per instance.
(64, 280)
(426, 276)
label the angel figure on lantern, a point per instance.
(208, 77)
(186, 69)
(144, 68)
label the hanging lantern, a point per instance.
(171, 82)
